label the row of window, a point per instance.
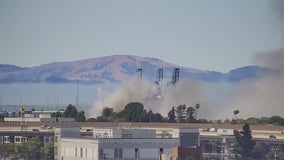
(118, 152)
(81, 152)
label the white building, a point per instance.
(42, 118)
(117, 144)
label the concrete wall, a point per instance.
(78, 149)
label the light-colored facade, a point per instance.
(123, 133)
(78, 149)
(38, 119)
(118, 144)
(114, 149)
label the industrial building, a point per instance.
(116, 143)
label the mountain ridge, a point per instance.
(112, 69)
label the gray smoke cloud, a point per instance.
(133, 90)
(256, 97)
(272, 59)
(262, 96)
(187, 91)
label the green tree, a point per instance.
(48, 150)
(190, 114)
(72, 112)
(245, 141)
(56, 114)
(263, 120)
(197, 106)
(133, 112)
(252, 121)
(216, 146)
(172, 115)
(181, 115)
(80, 117)
(7, 150)
(276, 120)
(30, 149)
(107, 113)
(156, 117)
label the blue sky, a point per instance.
(212, 35)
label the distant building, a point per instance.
(42, 118)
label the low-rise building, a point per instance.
(115, 144)
(41, 118)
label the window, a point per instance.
(81, 152)
(75, 151)
(18, 139)
(118, 153)
(161, 150)
(101, 153)
(86, 152)
(115, 153)
(23, 139)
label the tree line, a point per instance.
(71, 112)
(33, 149)
(136, 112)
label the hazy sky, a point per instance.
(209, 34)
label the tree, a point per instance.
(172, 115)
(156, 117)
(30, 149)
(190, 114)
(252, 121)
(181, 115)
(48, 150)
(245, 141)
(56, 114)
(7, 150)
(276, 120)
(197, 106)
(216, 146)
(133, 112)
(72, 112)
(80, 117)
(107, 113)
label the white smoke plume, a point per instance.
(133, 90)
(262, 96)
(188, 91)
